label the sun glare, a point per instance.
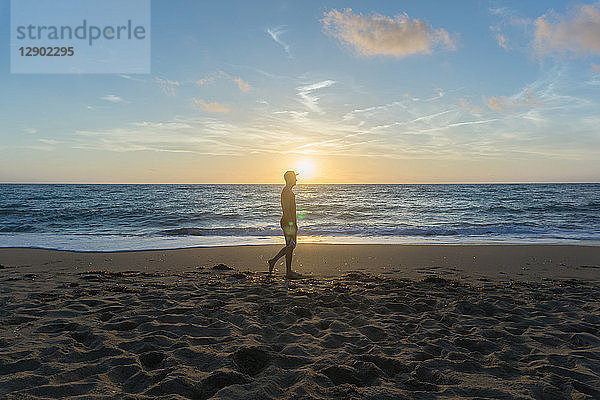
(306, 169)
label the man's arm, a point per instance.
(293, 206)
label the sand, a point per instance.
(368, 322)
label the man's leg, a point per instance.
(288, 256)
(273, 260)
(288, 260)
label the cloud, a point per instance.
(171, 136)
(113, 98)
(213, 107)
(131, 78)
(469, 107)
(46, 145)
(510, 18)
(204, 81)
(440, 93)
(502, 103)
(308, 98)
(501, 38)
(31, 131)
(578, 32)
(400, 129)
(201, 135)
(378, 34)
(510, 30)
(595, 69)
(275, 34)
(529, 98)
(49, 141)
(243, 85)
(167, 86)
(502, 41)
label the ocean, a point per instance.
(135, 217)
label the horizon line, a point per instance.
(309, 183)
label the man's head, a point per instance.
(290, 178)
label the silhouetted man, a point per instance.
(289, 225)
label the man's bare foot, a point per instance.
(293, 275)
(271, 265)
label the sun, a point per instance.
(306, 169)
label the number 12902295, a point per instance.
(47, 51)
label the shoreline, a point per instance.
(592, 244)
(413, 261)
(118, 243)
(565, 242)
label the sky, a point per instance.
(342, 91)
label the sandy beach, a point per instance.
(367, 322)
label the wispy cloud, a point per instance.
(527, 98)
(213, 107)
(509, 17)
(167, 86)
(595, 68)
(501, 38)
(205, 81)
(478, 122)
(500, 104)
(275, 34)
(535, 121)
(307, 96)
(131, 78)
(113, 98)
(202, 135)
(510, 29)
(377, 34)
(171, 136)
(371, 110)
(31, 131)
(577, 32)
(44, 145)
(48, 141)
(467, 106)
(429, 116)
(242, 84)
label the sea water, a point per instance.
(133, 217)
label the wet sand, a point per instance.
(369, 321)
(466, 262)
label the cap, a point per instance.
(289, 174)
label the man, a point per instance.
(289, 226)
